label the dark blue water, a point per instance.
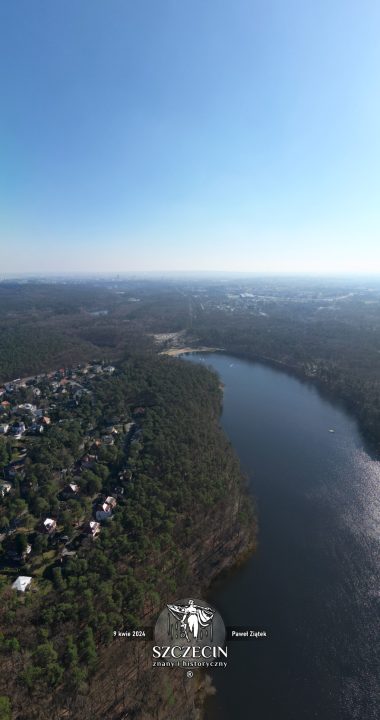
(313, 583)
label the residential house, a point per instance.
(111, 501)
(36, 429)
(74, 488)
(17, 556)
(27, 551)
(93, 528)
(128, 427)
(5, 487)
(18, 429)
(14, 468)
(49, 525)
(87, 461)
(25, 408)
(104, 512)
(94, 447)
(21, 583)
(111, 430)
(70, 491)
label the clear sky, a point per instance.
(190, 135)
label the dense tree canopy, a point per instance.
(174, 471)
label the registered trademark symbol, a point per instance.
(189, 673)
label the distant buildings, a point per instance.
(25, 408)
(48, 396)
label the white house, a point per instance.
(74, 487)
(5, 487)
(49, 525)
(22, 583)
(25, 408)
(93, 528)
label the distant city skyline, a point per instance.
(188, 274)
(234, 136)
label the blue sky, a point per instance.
(190, 135)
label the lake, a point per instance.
(313, 583)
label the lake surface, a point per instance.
(313, 583)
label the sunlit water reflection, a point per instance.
(314, 582)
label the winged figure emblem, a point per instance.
(192, 618)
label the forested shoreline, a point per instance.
(44, 326)
(350, 377)
(182, 515)
(328, 332)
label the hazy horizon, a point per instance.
(183, 274)
(237, 136)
